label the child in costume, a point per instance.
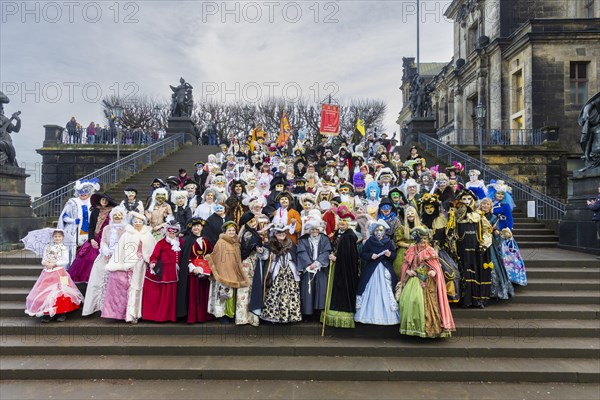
(515, 266)
(54, 293)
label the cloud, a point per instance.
(145, 46)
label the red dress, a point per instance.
(198, 286)
(159, 297)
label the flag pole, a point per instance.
(418, 38)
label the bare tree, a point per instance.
(148, 114)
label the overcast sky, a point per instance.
(58, 59)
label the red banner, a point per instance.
(330, 119)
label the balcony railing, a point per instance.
(52, 204)
(109, 136)
(505, 137)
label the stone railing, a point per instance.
(52, 204)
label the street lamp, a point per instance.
(480, 114)
(116, 110)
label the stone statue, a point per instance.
(589, 120)
(7, 150)
(182, 100)
(419, 97)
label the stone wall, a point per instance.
(541, 167)
(64, 163)
(551, 82)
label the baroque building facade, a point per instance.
(532, 64)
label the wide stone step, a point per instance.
(563, 284)
(493, 311)
(291, 389)
(21, 270)
(559, 272)
(529, 245)
(522, 296)
(532, 231)
(529, 224)
(535, 238)
(17, 281)
(556, 262)
(556, 297)
(94, 327)
(213, 345)
(571, 370)
(530, 311)
(524, 220)
(14, 294)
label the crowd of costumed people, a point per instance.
(338, 234)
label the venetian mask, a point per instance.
(130, 195)
(161, 198)
(429, 209)
(468, 201)
(379, 232)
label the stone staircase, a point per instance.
(182, 158)
(548, 333)
(530, 233)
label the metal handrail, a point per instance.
(51, 205)
(547, 208)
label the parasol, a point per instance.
(37, 240)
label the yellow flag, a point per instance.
(360, 126)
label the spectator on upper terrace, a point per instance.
(72, 130)
(91, 133)
(99, 134)
(78, 134)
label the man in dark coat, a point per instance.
(342, 305)
(314, 249)
(214, 223)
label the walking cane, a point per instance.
(327, 298)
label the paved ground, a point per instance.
(300, 390)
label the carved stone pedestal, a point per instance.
(577, 230)
(16, 215)
(184, 125)
(416, 125)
